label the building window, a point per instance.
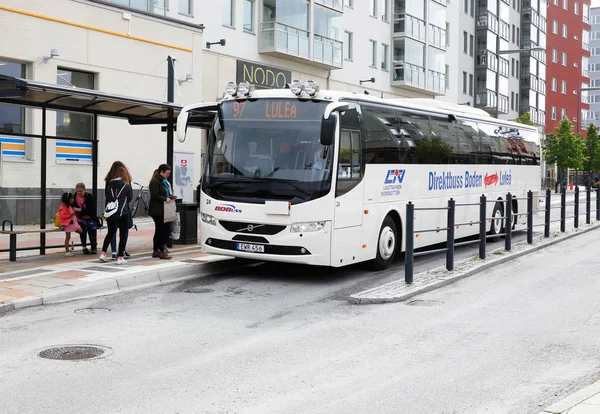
(154, 7)
(471, 45)
(518, 37)
(447, 34)
(249, 16)
(384, 57)
(553, 113)
(576, 8)
(564, 31)
(373, 53)
(563, 87)
(373, 8)
(466, 6)
(512, 66)
(185, 7)
(470, 85)
(554, 55)
(554, 84)
(514, 30)
(564, 59)
(385, 16)
(349, 3)
(12, 119)
(348, 45)
(554, 27)
(512, 101)
(465, 42)
(72, 125)
(447, 76)
(517, 70)
(228, 13)
(517, 103)
(563, 113)
(566, 4)
(464, 85)
(472, 8)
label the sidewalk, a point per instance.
(586, 401)
(34, 280)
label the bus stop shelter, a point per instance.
(45, 96)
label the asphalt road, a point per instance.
(283, 339)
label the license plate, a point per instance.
(254, 248)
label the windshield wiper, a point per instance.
(243, 179)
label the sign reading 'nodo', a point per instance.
(261, 76)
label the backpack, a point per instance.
(57, 220)
(113, 206)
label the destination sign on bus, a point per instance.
(273, 109)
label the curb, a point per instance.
(128, 283)
(574, 399)
(357, 300)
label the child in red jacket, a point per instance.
(68, 220)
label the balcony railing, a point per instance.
(489, 98)
(487, 20)
(327, 50)
(149, 6)
(410, 26)
(280, 37)
(585, 73)
(437, 36)
(409, 74)
(436, 82)
(585, 46)
(334, 4)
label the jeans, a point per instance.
(161, 233)
(89, 230)
(121, 224)
(113, 242)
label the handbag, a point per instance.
(176, 233)
(170, 210)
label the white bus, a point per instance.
(323, 177)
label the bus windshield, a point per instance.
(268, 149)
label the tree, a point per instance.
(565, 149)
(525, 118)
(592, 150)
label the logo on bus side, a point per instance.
(228, 208)
(446, 180)
(394, 176)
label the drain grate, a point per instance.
(199, 290)
(419, 302)
(74, 352)
(92, 310)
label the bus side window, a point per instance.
(414, 130)
(441, 145)
(468, 141)
(349, 161)
(382, 138)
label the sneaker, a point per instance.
(114, 256)
(103, 257)
(121, 261)
(86, 251)
(69, 254)
(125, 254)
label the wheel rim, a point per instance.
(387, 243)
(497, 221)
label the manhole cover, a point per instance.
(199, 290)
(423, 303)
(92, 310)
(74, 352)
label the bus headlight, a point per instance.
(231, 89)
(307, 227)
(311, 88)
(296, 87)
(207, 218)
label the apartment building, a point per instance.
(592, 115)
(568, 63)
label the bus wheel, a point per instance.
(497, 221)
(386, 245)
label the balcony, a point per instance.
(487, 20)
(585, 46)
(487, 101)
(410, 26)
(412, 77)
(333, 4)
(534, 83)
(437, 37)
(327, 51)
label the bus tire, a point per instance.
(387, 244)
(497, 226)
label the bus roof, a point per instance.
(420, 104)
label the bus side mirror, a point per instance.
(328, 130)
(182, 120)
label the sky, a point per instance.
(595, 3)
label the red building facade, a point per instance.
(568, 51)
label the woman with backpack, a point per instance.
(118, 196)
(160, 193)
(109, 176)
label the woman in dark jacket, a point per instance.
(87, 218)
(159, 195)
(118, 189)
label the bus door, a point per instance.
(349, 188)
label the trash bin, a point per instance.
(188, 216)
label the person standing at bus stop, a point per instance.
(112, 174)
(160, 194)
(118, 192)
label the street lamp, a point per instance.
(508, 52)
